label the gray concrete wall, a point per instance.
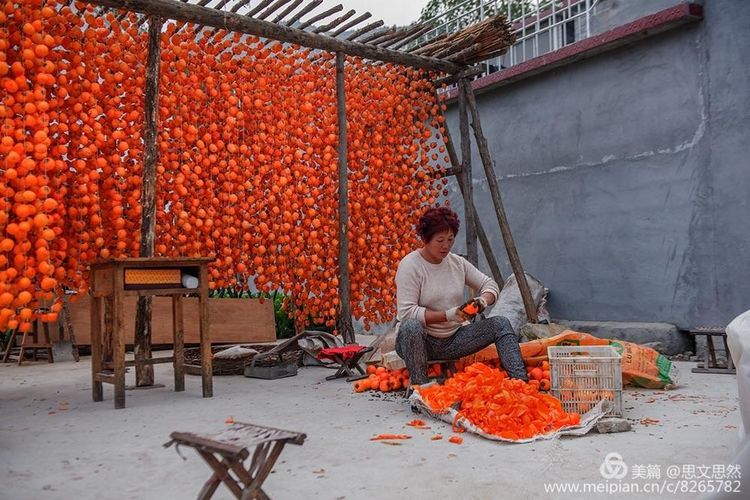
(626, 176)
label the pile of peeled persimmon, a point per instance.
(489, 399)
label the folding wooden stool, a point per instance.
(226, 451)
(348, 359)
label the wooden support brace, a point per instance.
(510, 245)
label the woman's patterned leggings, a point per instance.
(416, 347)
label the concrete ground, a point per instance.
(55, 443)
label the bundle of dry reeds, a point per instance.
(478, 42)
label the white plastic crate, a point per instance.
(584, 375)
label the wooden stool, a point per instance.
(29, 340)
(348, 359)
(226, 451)
(710, 364)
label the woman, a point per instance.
(430, 284)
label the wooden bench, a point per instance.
(710, 364)
(226, 451)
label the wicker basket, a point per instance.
(235, 366)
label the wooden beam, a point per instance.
(424, 29)
(378, 34)
(320, 16)
(239, 5)
(366, 29)
(286, 11)
(334, 23)
(497, 201)
(351, 23)
(465, 52)
(345, 328)
(388, 36)
(467, 73)
(273, 8)
(262, 5)
(403, 34)
(468, 191)
(307, 8)
(173, 9)
(144, 373)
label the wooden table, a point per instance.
(109, 286)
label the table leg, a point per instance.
(118, 339)
(179, 344)
(205, 337)
(97, 393)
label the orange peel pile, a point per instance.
(500, 406)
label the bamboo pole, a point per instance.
(144, 373)
(468, 190)
(510, 245)
(489, 254)
(344, 326)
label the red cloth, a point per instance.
(336, 353)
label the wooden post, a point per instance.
(465, 174)
(497, 275)
(510, 245)
(144, 373)
(344, 325)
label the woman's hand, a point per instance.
(481, 303)
(456, 315)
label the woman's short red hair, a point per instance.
(437, 220)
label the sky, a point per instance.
(398, 12)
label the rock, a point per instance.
(609, 425)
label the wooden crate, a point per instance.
(232, 320)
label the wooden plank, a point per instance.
(345, 328)
(232, 320)
(173, 9)
(497, 201)
(152, 361)
(106, 377)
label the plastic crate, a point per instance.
(584, 375)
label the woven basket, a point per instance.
(236, 366)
